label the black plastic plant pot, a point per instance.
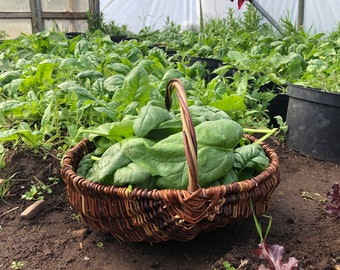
(163, 46)
(313, 122)
(210, 64)
(170, 53)
(278, 106)
(118, 39)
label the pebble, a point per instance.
(33, 210)
(81, 233)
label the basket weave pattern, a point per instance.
(135, 215)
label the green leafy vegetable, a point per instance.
(111, 160)
(149, 117)
(222, 133)
(133, 175)
(250, 160)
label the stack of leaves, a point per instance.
(147, 150)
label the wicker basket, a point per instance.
(160, 215)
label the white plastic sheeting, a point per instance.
(319, 15)
(154, 13)
(322, 15)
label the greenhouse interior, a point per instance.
(170, 135)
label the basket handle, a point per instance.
(189, 135)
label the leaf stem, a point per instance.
(267, 132)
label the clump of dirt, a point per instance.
(52, 239)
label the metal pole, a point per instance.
(40, 21)
(301, 13)
(201, 17)
(34, 19)
(267, 16)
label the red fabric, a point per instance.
(240, 3)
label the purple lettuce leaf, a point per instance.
(273, 255)
(334, 199)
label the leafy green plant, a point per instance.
(227, 266)
(3, 34)
(320, 53)
(5, 185)
(2, 156)
(95, 21)
(100, 244)
(283, 127)
(112, 29)
(17, 265)
(76, 217)
(39, 190)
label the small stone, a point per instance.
(33, 210)
(79, 233)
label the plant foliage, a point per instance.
(334, 199)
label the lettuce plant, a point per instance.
(273, 254)
(334, 199)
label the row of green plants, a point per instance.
(42, 71)
(297, 56)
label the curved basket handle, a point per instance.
(189, 135)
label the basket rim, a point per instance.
(68, 174)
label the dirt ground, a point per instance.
(50, 240)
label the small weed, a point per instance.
(5, 185)
(38, 190)
(2, 154)
(228, 266)
(283, 127)
(258, 224)
(313, 196)
(100, 244)
(3, 34)
(17, 265)
(75, 217)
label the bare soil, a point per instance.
(50, 240)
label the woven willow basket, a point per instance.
(160, 215)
